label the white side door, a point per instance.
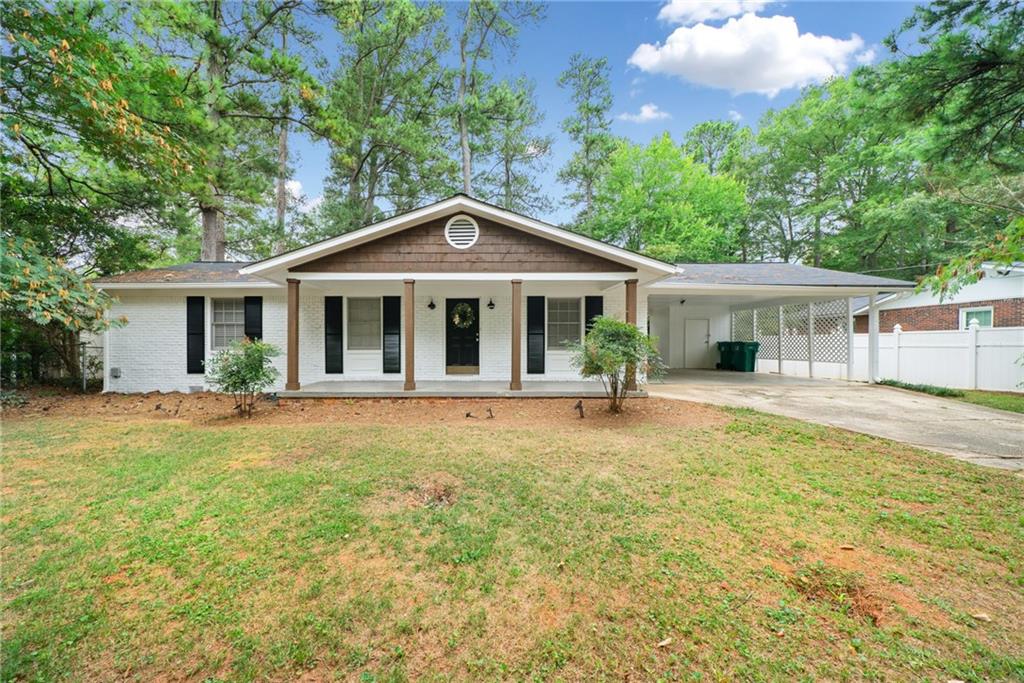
(697, 340)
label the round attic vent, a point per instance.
(461, 231)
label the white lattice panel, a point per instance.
(767, 333)
(794, 332)
(743, 325)
(830, 331)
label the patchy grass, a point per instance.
(945, 392)
(734, 546)
(1003, 400)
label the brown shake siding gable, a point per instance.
(424, 249)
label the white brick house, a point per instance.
(427, 300)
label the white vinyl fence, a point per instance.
(987, 358)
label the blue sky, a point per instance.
(675, 64)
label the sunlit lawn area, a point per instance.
(740, 546)
(1013, 402)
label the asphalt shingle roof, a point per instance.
(199, 272)
(791, 274)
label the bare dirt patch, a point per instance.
(217, 409)
(439, 489)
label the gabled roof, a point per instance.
(454, 204)
(217, 273)
(781, 274)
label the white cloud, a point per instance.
(750, 54)
(735, 116)
(311, 204)
(648, 112)
(294, 188)
(686, 12)
(866, 57)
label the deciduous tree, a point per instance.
(658, 200)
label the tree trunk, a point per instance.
(817, 241)
(213, 233)
(508, 183)
(467, 157)
(282, 171)
(213, 210)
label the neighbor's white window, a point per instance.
(564, 322)
(364, 324)
(983, 314)
(228, 321)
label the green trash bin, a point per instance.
(747, 356)
(725, 355)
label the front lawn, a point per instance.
(1003, 400)
(386, 541)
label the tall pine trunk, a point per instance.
(282, 169)
(213, 209)
(464, 75)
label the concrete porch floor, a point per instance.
(449, 389)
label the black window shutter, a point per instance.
(254, 317)
(534, 335)
(594, 307)
(392, 332)
(195, 335)
(334, 357)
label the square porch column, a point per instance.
(410, 335)
(631, 319)
(292, 378)
(515, 381)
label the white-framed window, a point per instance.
(364, 324)
(565, 323)
(227, 322)
(983, 314)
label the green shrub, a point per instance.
(614, 351)
(244, 370)
(923, 388)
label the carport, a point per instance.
(801, 316)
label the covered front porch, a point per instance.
(396, 335)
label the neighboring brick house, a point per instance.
(997, 300)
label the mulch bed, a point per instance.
(218, 409)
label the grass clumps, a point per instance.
(945, 392)
(1001, 400)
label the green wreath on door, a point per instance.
(462, 316)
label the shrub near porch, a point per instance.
(404, 540)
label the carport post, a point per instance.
(810, 339)
(872, 340)
(849, 339)
(780, 339)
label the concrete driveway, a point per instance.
(984, 436)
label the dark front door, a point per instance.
(462, 338)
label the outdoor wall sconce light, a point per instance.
(682, 302)
(490, 304)
(431, 305)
